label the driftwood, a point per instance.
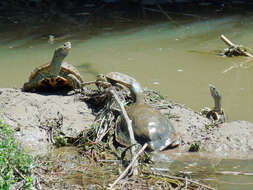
(234, 46)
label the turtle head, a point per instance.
(59, 54)
(137, 92)
(214, 92)
(63, 50)
(101, 77)
(216, 96)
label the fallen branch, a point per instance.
(128, 121)
(227, 41)
(129, 125)
(237, 47)
(129, 166)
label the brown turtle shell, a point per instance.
(51, 81)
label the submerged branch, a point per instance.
(234, 173)
(186, 180)
(129, 166)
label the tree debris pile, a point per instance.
(109, 110)
(234, 49)
(65, 169)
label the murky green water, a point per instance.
(223, 174)
(179, 60)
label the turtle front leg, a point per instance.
(74, 82)
(32, 84)
(102, 85)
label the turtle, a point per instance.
(111, 79)
(216, 113)
(149, 125)
(56, 75)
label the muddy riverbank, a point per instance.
(40, 119)
(36, 117)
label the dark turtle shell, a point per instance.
(117, 77)
(113, 78)
(217, 117)
(149, 126)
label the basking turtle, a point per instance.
(216, 113)
(112, 78)
(56, 75)
(149, 125)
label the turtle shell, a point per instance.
(42, 79)
(149, 126)
(117, 77)
(218, 117)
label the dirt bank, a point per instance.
(36, 116)
(231, 139)
(32, 115)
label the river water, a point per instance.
(179, 59)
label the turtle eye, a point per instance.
(67, 45)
